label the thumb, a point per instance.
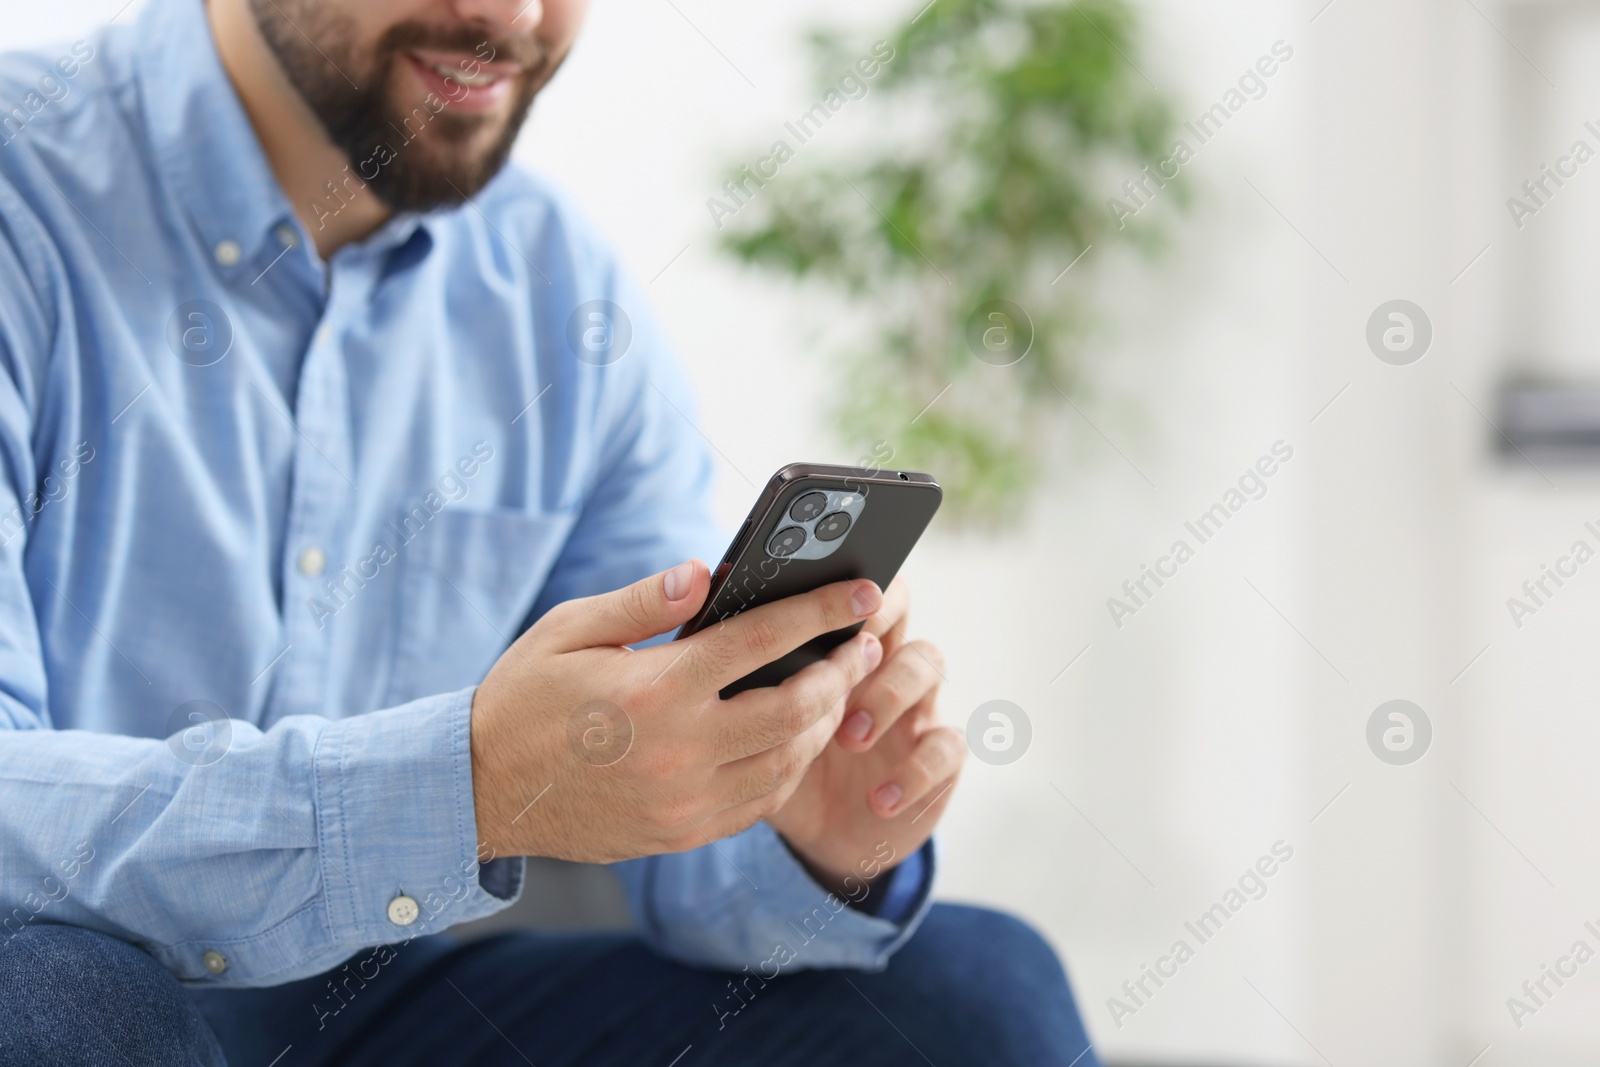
(635, 612)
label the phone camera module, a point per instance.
(808, 507)
(833, 527)
(787, 541)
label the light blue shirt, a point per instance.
(321, 497)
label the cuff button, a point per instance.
(403, 910)
(214, 961)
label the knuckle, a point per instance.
(816, 693)
(762, 639)
(950, 751)
(558, 618)
(929, 654)
(791, 762)
(890, 693)
(660, 763)
(774, 772)
(636, 604)
(799, 712)
(708, 661)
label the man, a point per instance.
(309, 409)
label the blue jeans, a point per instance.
(972, 987)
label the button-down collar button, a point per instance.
(228, 253)
(286, 235)
(403, 910)
(312, 560)
(215, 961)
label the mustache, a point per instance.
(488, 45)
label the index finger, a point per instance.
(888, 623)
(736, 646)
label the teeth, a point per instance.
(477, 81)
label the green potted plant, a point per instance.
(968, 232)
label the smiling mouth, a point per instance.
(483, 79)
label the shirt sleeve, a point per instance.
(730, 903)
(747, 902)
(272, 856)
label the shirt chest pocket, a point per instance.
(466, 586)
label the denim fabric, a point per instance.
(71, 997)
(970, 987)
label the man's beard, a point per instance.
(412, 153)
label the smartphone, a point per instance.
(813, 525)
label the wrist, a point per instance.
(851, 879)
(486, 801)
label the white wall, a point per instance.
(1225, 716)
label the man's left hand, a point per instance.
(873, 796)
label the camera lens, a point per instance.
(787, 541)
(808, 507)
(833, 527)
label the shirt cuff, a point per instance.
(395, 819)
(901, 892)
(746, 902)
(809, 927)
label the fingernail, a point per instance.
(888, 796)
(872, 652)
(864, 601)
(858, 726)
(678, 581)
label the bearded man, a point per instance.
(346, 483)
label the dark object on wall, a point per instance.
(1546, 421)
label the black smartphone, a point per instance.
(813, 525)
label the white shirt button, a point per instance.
(228, 253)
(215, 961)
(403, 910)
(286, 236)
(312, 560)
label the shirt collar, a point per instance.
(200, 134)
(206, 146)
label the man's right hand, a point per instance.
(584, 749)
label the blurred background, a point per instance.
(1173, 746)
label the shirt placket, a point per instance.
(322, 497)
